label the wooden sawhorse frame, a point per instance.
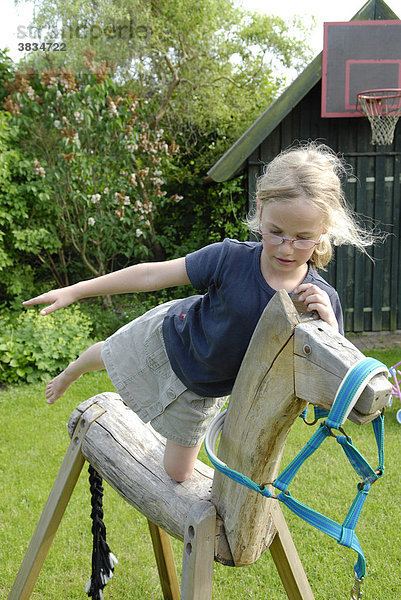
(198, 533)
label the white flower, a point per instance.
(38, 169)
(57, 124)
(91, 221)
(138, 233)
(176, 198)
(112, 108)
(78, 116)
(95, 198)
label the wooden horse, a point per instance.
(292, 359)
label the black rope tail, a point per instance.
(103, 560)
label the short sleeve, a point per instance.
(203, 266)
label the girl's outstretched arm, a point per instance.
(146, 277)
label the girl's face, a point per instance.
(292, 220)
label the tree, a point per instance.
(26, 216)
(85, 177)
(196, 62)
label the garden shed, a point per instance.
(370, 291)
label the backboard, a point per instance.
(358, 56)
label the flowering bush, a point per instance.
(94, 158)
(27, 218)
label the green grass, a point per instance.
(33, 443)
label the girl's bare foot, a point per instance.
(60, 384)
(90, 360)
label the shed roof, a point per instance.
(233, 161)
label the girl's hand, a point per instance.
(317, 299)
(56, 298)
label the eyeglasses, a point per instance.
(298, 243)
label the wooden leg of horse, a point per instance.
(54, 509)
(198, 554)
(287, 561)
(165, 562)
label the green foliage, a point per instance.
(33, 347)
(208, 215)
(200, 64)
(85, 165)
(124, 308)
(228, 211)
(27, 217)
(6, 69)
(83, 182)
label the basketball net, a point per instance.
(383, 109)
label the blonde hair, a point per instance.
(312, 172)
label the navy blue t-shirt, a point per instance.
(207, 335)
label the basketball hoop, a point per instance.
(383, 109)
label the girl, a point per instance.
(175, 365)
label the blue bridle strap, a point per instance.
(347, 395)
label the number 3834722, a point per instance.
(42, 47)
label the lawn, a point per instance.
(34, 441)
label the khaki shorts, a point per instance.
(137, 363)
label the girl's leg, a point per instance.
(179, 461)
(90, 360)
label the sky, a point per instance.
(14, 20)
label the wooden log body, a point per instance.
(129, 455)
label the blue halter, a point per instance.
(347, 395)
